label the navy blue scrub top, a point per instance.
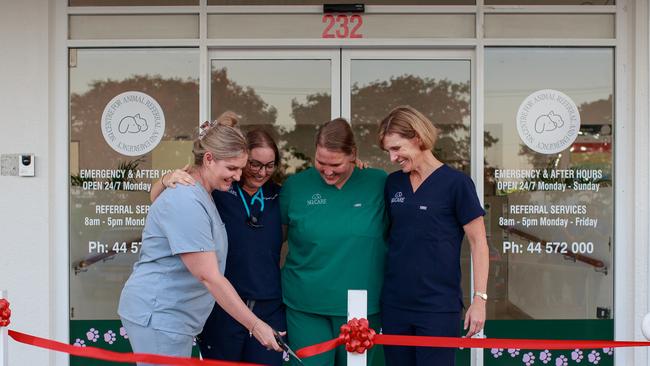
(253, 263)
(426, 233)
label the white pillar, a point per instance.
(357, 308)
(4, 338)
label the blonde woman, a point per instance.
(431, 207)
(169, 295)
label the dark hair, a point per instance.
(336, 135)
(261, 138)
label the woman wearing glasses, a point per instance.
(251, 214)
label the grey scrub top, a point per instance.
(161, 292)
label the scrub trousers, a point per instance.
(159, 342)
(223, 338)
(306, 329)
(404, 322)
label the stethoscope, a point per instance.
(252, 221)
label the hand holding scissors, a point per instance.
(266, 336)
(285, 346)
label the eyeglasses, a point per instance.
(256, 166)
(254, 221)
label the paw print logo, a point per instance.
(79, 343)
(577, 355)
(545, 356)
(528, 359)
(608, 351)
(496, 352)
(110, 337)
(514, 352)
(123, 333)
(92, 335)
(594, 357)
(561, 361)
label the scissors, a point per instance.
(285, 346)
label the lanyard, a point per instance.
(259, 195)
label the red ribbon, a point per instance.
(357, 335)
(102, 354)
(356, 332)
(5, 313)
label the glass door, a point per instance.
(438, 83)
(288, 93)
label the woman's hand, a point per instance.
(264, 334)
(475, 317)
(181, 176)
(361, 164)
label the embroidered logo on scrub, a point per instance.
(316, 199)
(398, 198)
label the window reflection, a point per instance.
(289, 98)
(528, 282)
(440, 89)
(99, 267)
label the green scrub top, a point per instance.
(336, 240)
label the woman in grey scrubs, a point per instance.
(172, 289)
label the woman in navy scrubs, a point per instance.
(251, 214)
(431, 207)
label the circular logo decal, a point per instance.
(133, 123)
(548, 121)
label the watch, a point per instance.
(480, 294)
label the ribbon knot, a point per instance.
(357, 335)
(5, 313)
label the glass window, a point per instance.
(550, 2)
(289, 98)
(548, 193)
(132, 2)
(320, 2)
(133, 116)
(377, 86)
(167, 26)
(549, 25)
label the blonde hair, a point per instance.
(221, 138)
(408, 123)
(336, 135)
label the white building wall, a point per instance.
(25, 246)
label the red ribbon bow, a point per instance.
(5, 313)
(357, 335)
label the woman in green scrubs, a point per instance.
(335, 216)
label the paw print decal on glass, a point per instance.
(577, 355)
(514, 352)
(608, 351)
(528, 359)
(496, 352)
(110, 337)
(79, 343)
(92, 335)
(123, 333)
(594, 357)
(545, 356)
(561, 361)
